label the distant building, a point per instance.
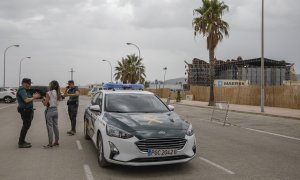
(275, 71)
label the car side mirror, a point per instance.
(95, 108)
(172, 108)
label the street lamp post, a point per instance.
(262, 74)
(4, 62)
(110, 69)
(139, 58)
(165, 69)
(20, 70)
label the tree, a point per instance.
(130, 70)
(210, 25)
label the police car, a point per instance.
(134, 127)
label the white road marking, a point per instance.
(88, 172)
(7, 106)
(216, 165)
(260, 131)
(274, 134)
(78, 145)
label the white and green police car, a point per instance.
(134, 127)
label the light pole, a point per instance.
(139, 58)
(110, 69)
(165, 69)
(4, 62)
(262, 74)
(20, 70)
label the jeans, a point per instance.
(27, 117)
(52, 125)
(72, 110)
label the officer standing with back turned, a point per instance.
(25, 108)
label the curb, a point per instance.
(245, 112)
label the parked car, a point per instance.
(133, 127)
(42, 90)
(8, 95)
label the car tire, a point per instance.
(86, 136)
(8, 99)
(100, 152)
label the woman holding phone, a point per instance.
(51, 114)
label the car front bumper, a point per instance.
(126, 152)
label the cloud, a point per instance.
(78, 34)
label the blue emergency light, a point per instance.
(115, 86)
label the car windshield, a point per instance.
(134, 103)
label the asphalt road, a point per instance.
(253, 147)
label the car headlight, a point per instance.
(190, 130)
(116, 132)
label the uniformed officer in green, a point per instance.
(25, 108)
(73, 92)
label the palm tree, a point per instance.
(210, 25)
(130, 70)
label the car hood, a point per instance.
(149, 125)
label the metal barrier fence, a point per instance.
(220, 112)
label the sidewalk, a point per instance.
(269, 111)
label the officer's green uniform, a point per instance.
(73, 107)
(26, 111)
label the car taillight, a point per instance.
(13, 93)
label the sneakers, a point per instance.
(48, 146)
(27, 143)
(71, 133)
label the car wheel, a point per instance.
(100, 152)
(8, 99)
(86, 136)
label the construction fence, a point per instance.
(275, 96)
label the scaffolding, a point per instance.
(275, 71)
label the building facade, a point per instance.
(276, 72)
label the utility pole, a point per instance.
(72, 71)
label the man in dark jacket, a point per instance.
(73, 92)
(25, 108)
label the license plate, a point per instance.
(161, 152)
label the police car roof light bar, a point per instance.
(114, 86)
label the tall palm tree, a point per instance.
(130, 70)
(210, 25)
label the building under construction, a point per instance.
(275, 71)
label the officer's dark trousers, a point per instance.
(27, 116)
(72, 110)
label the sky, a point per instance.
(62, 34)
